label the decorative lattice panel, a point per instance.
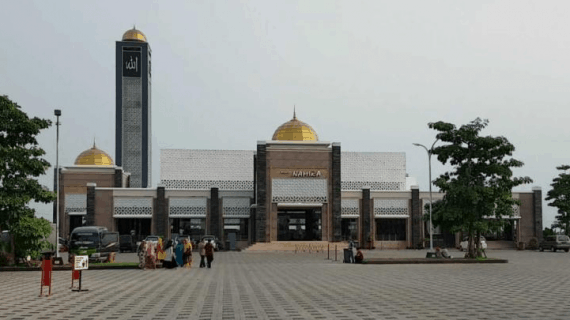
(132, 207)
(232, 221)
(299, 190)
(207, 184)
(391, 207)
(187, 207)
(76, 203)
(377, 170)
(236, 207)
(349, 207)
(203, 169)
(516, 211)
(132, 129)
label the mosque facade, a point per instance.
(291, 188)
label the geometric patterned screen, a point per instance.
(132, 129)
(299, 190)
(391, 208)
(76, 204)
(235, 207)
(204, 169)
(132, 207)
(349, 208)
(187, 207)
(377, 170)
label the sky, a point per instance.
(368, 74)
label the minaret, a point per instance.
(133, 107)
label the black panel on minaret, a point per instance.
(133, 112)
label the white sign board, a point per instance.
(81, 263)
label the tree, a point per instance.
(560, 197)
(20, 165)
(477, 191)
(29, 236)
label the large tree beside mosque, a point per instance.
(477, 190)
(559, 196)
(21, 163)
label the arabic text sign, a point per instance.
(132, 63)
(81, 263)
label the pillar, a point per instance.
(537, 212)
(160, 214)
(416, 217)
(365, 224)
(215, 219)
(90, 217)
(261, 196)
(336, 194)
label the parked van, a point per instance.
(95, 242)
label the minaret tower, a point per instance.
(133, 107)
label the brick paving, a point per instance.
(533, 285)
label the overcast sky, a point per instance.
(368, 74)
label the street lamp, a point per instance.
(429, 152)
(57, 113)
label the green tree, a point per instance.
(29, 236)
(20, 165)
(560, 197)
(478, 190)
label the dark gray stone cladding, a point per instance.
(416, 218)
(336, 194)
(365, 218)
(215, 223)
(161, 213)
(118, 178)
(537, 213)
(261, 196)
(90, 216)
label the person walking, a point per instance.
(201, 246)
(209, 250)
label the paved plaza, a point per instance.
(533, 285)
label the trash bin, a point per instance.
(347, 253)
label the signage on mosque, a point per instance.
(131, 64)
(304, 174)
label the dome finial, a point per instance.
(94, 146)
(294, 113)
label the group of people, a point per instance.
(355, 254)
(174, 254)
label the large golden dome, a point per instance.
(295, 130)
(94, 157)
(134, 35)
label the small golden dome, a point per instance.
(94, 157)
(295, 130)
(134, 35)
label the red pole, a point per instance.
(328, 251)
(335, 252)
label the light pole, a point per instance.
(57, 113)
(429, 152)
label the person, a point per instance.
(351, 250)
(209, 251)
(179, 252)
(359, 257)
(438, 252)
(170, 259)
(201, 246)
(445, 254)
(187, 253)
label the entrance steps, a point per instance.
(501, 245)
(298, 246)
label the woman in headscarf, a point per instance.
(187, 253)
(170, 259)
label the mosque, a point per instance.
(294, 187)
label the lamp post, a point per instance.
(57, 113)
(429, 152)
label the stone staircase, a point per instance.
(296, 246)
(501, 245)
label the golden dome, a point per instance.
(295, 130)
(134, 35)
(94, 157)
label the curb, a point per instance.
(433, 261)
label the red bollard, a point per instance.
(74, 277)
(46, 275)
(335, 252)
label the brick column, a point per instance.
(261, 196)
(160, 214)
(336, 195)
(215, 223)
(90, 217)
(365, 217)
(416, 216)
(537, 212)
(118, 178)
